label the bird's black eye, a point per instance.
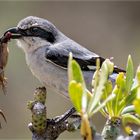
(34, 29)
(39, 32)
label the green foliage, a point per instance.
(137, 105)
(112, 100)
(126, 92)
(129, 74)
(77, 88)
(75, 93)
(85, 102)
(78, 91)
(100, 83)
(136, 102)
(128, 109)
(129, 118)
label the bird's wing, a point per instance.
(62, 59)
(59, 55)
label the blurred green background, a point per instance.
(108, 28)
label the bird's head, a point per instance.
(33, 32)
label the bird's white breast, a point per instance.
(48, 73)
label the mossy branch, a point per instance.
(47, 129)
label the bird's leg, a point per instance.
(63, 117)
(62, 120)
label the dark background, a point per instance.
(108, 28)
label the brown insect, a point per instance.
(3, 59)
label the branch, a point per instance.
(48, 129)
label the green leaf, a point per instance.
(127, 100)
(138, 75)
(108, 89)
(70, 70)
(120, 91)
(110, 97)
(104, 112)
(136, 103)
(106, 69)
(128, 118)
(129, 74)
(75, 93)
(107, 92)
(128, 109)
(75, 74)
(95, 79)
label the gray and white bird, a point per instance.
(47, 50)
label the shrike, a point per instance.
(47, 52)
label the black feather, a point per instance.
(38, 32)
(62, 60)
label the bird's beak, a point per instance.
(15, 33)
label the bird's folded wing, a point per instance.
(60, 58)
(87, 60)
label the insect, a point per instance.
(4, 51)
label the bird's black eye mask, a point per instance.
(32, 31)
(38, 32)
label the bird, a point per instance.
(47, 51)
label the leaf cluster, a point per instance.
(120, 99)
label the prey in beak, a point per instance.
(11, 33)
(14, 32)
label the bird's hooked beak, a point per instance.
(15, 33)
